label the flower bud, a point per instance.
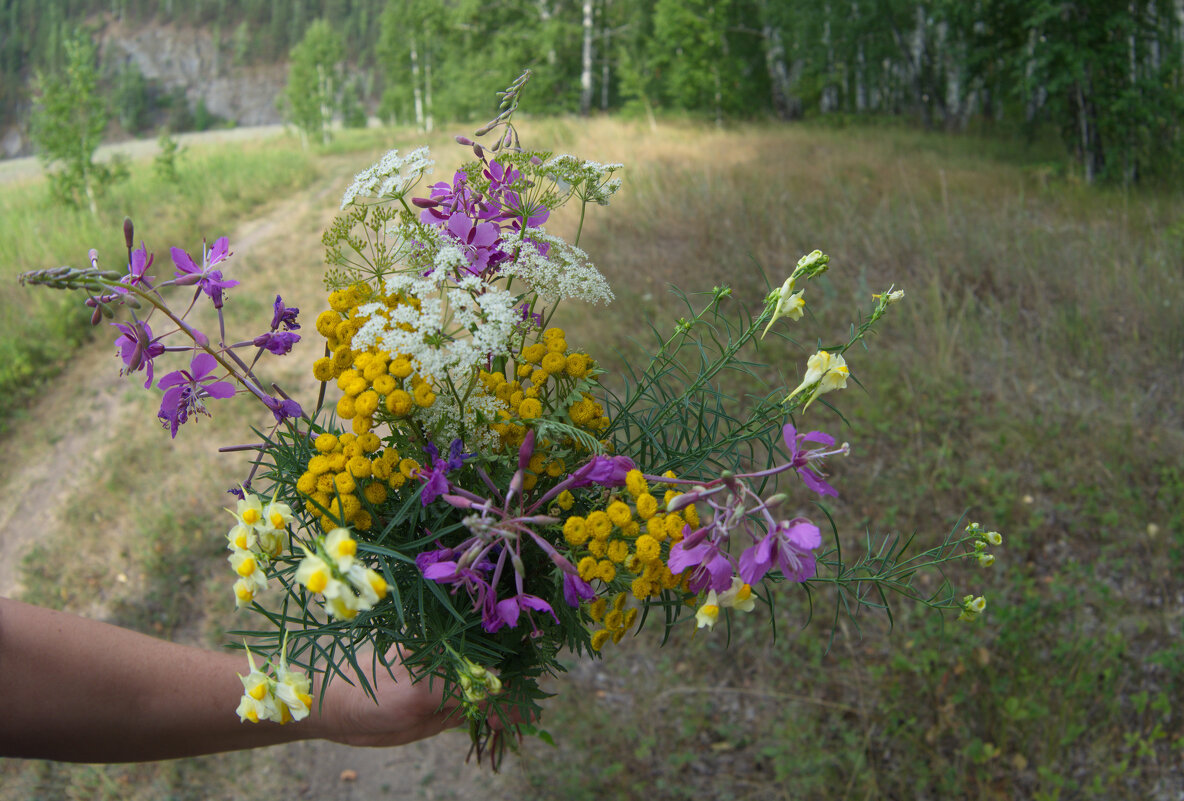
(128, 232)
(96, 315)
(463, 140)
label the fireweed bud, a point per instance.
(128, 232)
(463, 140)
(96, 315)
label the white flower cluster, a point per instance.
(469, 422)
(592, 181)
(457, 325)
(564, 273)
(389, 177)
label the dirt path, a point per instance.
(91, 418)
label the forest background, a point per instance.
(1104, 77)
(1013, 165)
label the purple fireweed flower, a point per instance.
(137, 348)
(140, 263)
(207, 279)
(801, 458)
(284, 315)
(186, 391)
(789, 545)
(479, 242)
(710, 567)
(450, 566)
(534, 318)
(283, 408)
(576, 590)
(509, 609)
(500, 177)
(277, 342)
(435, 480)
(426, 559)
(448, 199)
(607, 471)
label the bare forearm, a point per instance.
(83, 691)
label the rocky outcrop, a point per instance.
(188, 59)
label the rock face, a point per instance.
(187, 59)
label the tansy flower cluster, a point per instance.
(348, 476)
(258, 537)
(615, 619)
(334, 572)
(549, 381)
(371, 381)
(632, 533)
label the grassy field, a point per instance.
(1030, 380)
(213, 184)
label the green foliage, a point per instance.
(165, 163)
(68, 124)
(313, 81)
(40, 342)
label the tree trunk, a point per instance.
(586, 70)
(427, 90)
(778, 75)
(419, 120)
(605, 49)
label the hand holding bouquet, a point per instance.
(472, 493)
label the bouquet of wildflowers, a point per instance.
(472, 492)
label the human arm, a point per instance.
(83, 691)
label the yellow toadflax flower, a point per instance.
(789, 304)
(708, 613)
(738, 596)
(258, 702)
(825, 372)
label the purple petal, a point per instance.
(486, 235)
(820, 437)
(219, 389)
(790, 435)
(680, 558)
(575, 589)
(438, 571)
(220, 250)
(721, 572)
(460, 226)
(752, 569)
(172, 379)
(202, 365)
(537, 604)
(803, 534)
(184, 262)
(507, 611)
(816, 483)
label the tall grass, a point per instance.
(1030, 378)
(215, 185)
